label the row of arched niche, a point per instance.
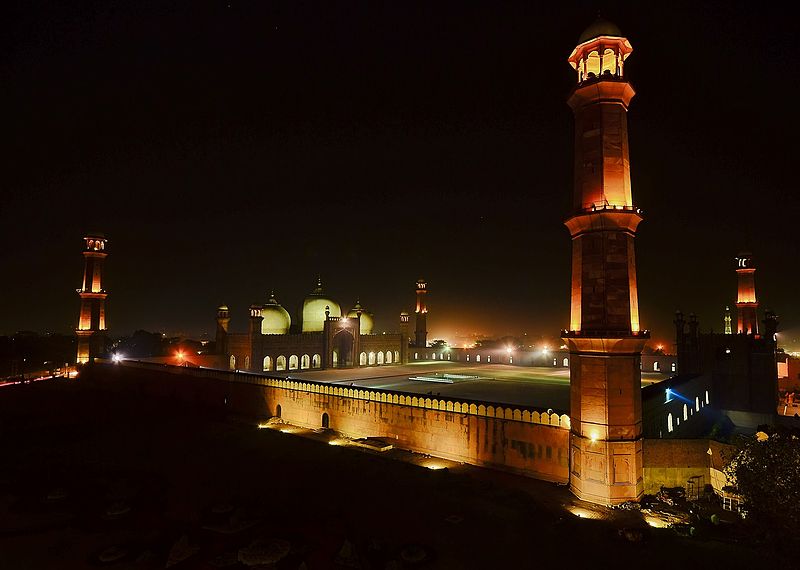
(306, 362)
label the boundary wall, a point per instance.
(514, 438)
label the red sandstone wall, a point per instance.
(531, 449)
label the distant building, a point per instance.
(727, 382)
(324, 337)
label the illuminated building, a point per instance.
(740, 369)
(746, 302)
(323, 337)
(92, 319)
(421, 332)
(604, 340)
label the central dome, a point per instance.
(314, 307)
(600, 27)
(276, 318)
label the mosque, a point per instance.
(324, 336)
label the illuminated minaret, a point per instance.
(404, 317)
(604, 339)
(421, 332)
(92, 320)
(746, 302)
(728, 326)
(223, 321)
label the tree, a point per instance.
(766, 471)
(438, 344)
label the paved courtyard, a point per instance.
(540, 387)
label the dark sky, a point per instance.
(228, 148)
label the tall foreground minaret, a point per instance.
(604, 339)
(746, 301)
(92, 321)
(421, 332)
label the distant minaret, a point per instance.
(746, 302)
(728, 326)
(404, 317)
(421, 332)
(92, 321)
(223, 320)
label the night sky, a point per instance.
(231, 148)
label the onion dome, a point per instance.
(314, 307)
(276, 318)
(600, 27)
(367, 320)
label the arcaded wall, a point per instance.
(517, 439)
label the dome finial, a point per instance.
(600, 27)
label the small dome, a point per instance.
(600, 27)
(314, 309)
(276, 318)
(367, 320)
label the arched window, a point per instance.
(434, 356)
(326, 420)
(247, 363)
(380, 357)
(593, 64)
(388, 357)
(674, 367)
(371, 358)
(609, 61)
(232, 362)
(707, 402)
(685, 413)
(316, 361)
(267, 363)
(669, 422)
(448, 356)
(565, 362)
(293, 362)
(362, 359)
(396, 356)
(477, 358)
(335, 358)
(697, 404)
(511, 360)
(280, 363)
(416, 356)
(489, 358)
(467, 357)
(656, 366)
(278, 411)
(305, 362)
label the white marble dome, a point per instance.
(367, 319)
(276, 318)
(314, 307)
